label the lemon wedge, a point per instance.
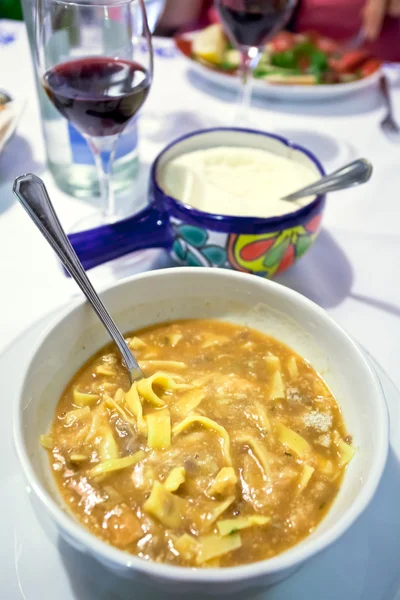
(209, 44)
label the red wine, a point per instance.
(98, 95)
(250, 22)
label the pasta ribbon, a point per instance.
(324, 465)
(110, 466)
(273, 363)
(78, 458)
(159, 430)
(162, 380)
(108, 448)
(208, 424)
(320, 388)
(175, 479)
(84, 399)
(187, 546)
(162, 364)
(100, 431)
(346, 452)
(136, 343)
(277, 389)
(211, 546)
(79, 414)
(292, 368)
(260, 452)
(224, 482)
(305, 477)
(174, 339)
(219, 510)
(113, 405)
(134, 404)
(46, 442)
(214, 340)
(164, 506)
(230, 526)
(261, 418)
(105, 370)
(187, 403)
(292, 440)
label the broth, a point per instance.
(229, 452)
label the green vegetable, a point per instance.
(319, 60)
(285, 60)
(291, 59)
(319, 64)
(305, 49)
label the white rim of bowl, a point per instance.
(294, 556)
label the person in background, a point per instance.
(185, 15)
(340, 20)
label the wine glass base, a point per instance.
(130, 202)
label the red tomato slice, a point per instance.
(283, 41)
(326, 45)
(349, 61)
(304, 62)
(370, 66)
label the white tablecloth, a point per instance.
(353, 271)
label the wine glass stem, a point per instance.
(103, 149)
(246, 76)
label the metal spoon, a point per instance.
(354, 173)
(4, 98)
(389, 125)
(32, 194)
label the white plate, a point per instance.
(363, 565)
(264, 89)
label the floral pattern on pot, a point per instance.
(265, 254)
(271, 253)
(198, 247)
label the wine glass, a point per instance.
(249, 24)
(154, 9)
(95, 62)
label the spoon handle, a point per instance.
(355, 173)
(32, 194)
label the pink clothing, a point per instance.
(341, 20)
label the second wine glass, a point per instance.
(95, 61)
(250, 24)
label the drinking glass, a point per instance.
(249, 24)
(95, 62)
(154, 9)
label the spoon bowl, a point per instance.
(352, 174)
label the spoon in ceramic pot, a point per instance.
(355, 173)
(32, 194)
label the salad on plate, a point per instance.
(289, 59)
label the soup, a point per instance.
(230, 451)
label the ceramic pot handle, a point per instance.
(147, 229)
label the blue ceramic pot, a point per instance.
(264, 246)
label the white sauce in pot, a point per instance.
(236, 181)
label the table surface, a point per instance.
(352, 270)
